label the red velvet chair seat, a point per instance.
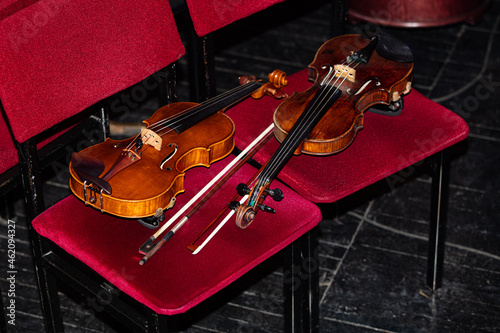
(383, 147)
(174, 280)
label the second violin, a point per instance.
(351, 74)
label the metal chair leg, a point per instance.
(157, 323)
(301, 284)
(168, 87)
(439, 205)
(291, 288)
(339, 17)
(310, 290)
(32, 184)
(201, 66)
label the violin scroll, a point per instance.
(273, 88)
(245, 214)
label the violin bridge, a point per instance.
(344, 71)
(151, 138)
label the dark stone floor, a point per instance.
(373, 243)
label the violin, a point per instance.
(140, 177)
(351, 74)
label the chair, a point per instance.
(93, 253)
(59, 58)
(108, 245)
(203, 18)
(199, 19)
(385, 146)
(173, 281)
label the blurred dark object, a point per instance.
(419, 13)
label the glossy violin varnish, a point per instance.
(363, 80)
(350, 73)
(138, 176)
(149, 178)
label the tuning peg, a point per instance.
(233, 205)
(276, 194)
(242, 189)
(266, 209)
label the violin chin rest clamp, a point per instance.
(393, 109)
(152, 222)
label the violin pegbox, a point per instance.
(245, 214)
(277, 81)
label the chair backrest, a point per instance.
(59, 57)
(210, 15)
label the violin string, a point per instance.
(201, 108)
(325, 95)
(157, 127)
(170, 122)
(282, 153)
(290, 144)
(185, 114)
(179, 118)
(293, 141)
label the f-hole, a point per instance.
(169, 156)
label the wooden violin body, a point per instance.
(141, 176)
(381, 81)
(158, 177)
(350, 75)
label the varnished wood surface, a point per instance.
(338, 128)
(140, 189)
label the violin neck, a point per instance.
(315, 110)
(216, 104)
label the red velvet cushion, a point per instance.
(10, 7)
(384, 146)
(210, 15)
(58, 58)
(174, 280)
